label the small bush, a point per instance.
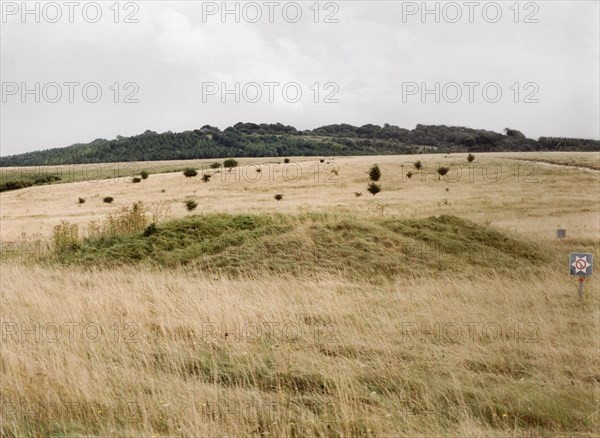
(259, 170)
(190, 173)
(442, 171)
(144, 174)
(470, 158)
(136, 179)
(322, 160)
(81, 200)
(230, 163)
(215, 165)
(150, 230)
(358, 194)
(108, 199)
(374, 173)
(286, 160)
(278, 197)
(206, 177)
(409, 174)
(373, 188)
(418, 165)
(335, 172)
(191, 205)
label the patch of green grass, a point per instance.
(378, 248)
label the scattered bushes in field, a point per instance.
(144, 174)
(215, 165)
(190, 173)
(374, 175)
(278, 197)
(286, 160)
(470, 158)
(418, 165)
(81, 201)
(322, 160)
(206, 177)
(108, 199)
(358, 194)
(127, 220)
(191, 205)
(409, 174)
(136, 179)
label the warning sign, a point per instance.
(580, 264)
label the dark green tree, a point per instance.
(373, 188)
(374, 173)
(230, 163)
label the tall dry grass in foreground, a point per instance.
(135, 352)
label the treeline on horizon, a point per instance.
(278, 140)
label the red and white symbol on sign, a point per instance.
(580, 264)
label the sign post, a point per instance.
(580, 265)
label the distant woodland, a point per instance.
(277, 140)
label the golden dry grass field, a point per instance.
(360, 333)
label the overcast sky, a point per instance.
(370, 61)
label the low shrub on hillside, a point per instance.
(45, 179)
(150, 230)
(191, 205)
(190, 173)
(14, 185)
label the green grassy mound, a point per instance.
(294, 244)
